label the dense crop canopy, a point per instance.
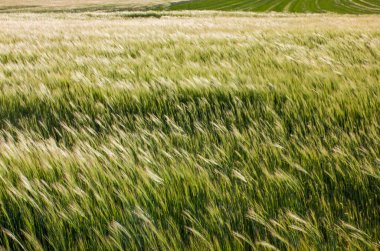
(197, 131)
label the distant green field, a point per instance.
(300, 6)
(9, 6)
(342, 6)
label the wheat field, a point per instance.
(189, 131)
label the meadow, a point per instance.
(189, 131)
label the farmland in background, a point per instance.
(308, 6)
(298, 6)
(8, 6)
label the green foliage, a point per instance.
(221, 133)
(313, 6)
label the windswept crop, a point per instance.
(194, 131)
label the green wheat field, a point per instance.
(149, 125)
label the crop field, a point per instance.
(299, 6)
(186, 130)
(43, 6)
(338, 6)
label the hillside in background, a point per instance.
(343, 6)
